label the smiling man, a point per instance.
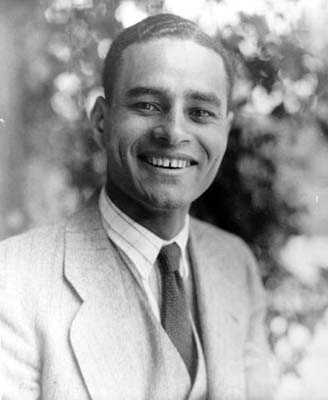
(131, 298)
(165, 128)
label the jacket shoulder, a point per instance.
(214, 237)
(234, 254)
(30, 254)
(32, 240)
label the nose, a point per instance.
(173, 128)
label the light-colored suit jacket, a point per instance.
(70, 331)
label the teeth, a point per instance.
(175, 164)
(168, 163)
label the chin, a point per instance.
(167, 202)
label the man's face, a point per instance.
(166, 129)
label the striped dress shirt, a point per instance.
(142, 247)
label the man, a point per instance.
(131, 298)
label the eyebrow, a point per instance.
(206, 97)
(141, 91)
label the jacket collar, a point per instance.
(91, 267)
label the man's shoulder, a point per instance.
(212, 242)
(29, 255)
(48, 236)
(213, 236)
(34, 238)
(31, 251)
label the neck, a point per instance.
(166, 224)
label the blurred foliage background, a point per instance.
(272, 189)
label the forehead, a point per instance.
(177, 65)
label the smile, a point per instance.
(170, 163)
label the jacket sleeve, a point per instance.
(19, 362)
(260, 368)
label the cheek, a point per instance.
(127, 129)
(120, 139)
(215, 144)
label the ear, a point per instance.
(97, 118)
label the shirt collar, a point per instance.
(140, 238)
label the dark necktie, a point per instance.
(174, 311)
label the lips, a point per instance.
(168, 162)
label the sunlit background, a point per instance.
(273, 185)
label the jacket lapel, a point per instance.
(219, 306)
(102, 332)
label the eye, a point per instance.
(145, 107)
(201, 115)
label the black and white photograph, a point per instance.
(164, 200)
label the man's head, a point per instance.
(164, 122)
(156, 27)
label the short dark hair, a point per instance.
(156, 27)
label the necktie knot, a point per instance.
(169, 258)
